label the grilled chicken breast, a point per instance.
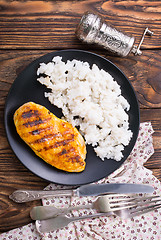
(54, 140)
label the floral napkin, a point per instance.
(147, 226)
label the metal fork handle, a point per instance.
(53, 224)
(73, 219)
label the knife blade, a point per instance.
(85, 190)
(99, 189)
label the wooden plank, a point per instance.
(157, 174)
(144, 72)
(52, 24)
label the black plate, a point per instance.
(26, 88)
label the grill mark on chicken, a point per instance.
(44, 139)
(63, 152)
(63, 142)
(57, 144)
(76, 159)
(36, 122)
(30, 114)
(41, 130)
(66, 151)
(51, 136)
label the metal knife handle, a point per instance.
(21, 196)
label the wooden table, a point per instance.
(30, 29)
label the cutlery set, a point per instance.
(118, 199)
(122, 206)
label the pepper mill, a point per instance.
(92, 29)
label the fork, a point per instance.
(101, 204)
(123, 206)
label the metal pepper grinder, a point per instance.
(92, 29)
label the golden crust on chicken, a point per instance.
(54, 140)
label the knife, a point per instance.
(85, 190)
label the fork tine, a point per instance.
(155, 198)
(123, 203)
(113, 209)
(132, 201)
(131, 198)
(143, 210)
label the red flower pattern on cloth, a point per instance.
(147, 226)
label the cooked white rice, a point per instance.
(90, 99)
